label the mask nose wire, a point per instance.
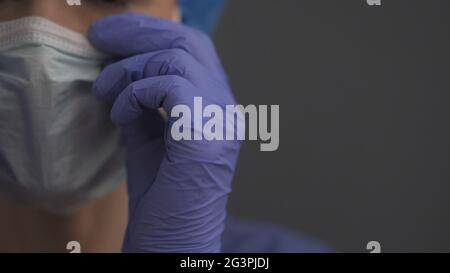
(39, 30)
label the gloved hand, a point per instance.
(177, 189)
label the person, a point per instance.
(65, 152)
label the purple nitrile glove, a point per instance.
(178, 190)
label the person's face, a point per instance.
(79, 18)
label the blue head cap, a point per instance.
(201, 14)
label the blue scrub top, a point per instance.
(243, 236)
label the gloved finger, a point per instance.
(150, 93)
(129, 34)
(117, 76)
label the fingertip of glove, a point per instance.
(126, 108)
(94, 34)
(107, 31)
(96, 91)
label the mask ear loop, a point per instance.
(176, 16)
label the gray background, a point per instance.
(364, 98)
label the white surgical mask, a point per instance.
(58, 147)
